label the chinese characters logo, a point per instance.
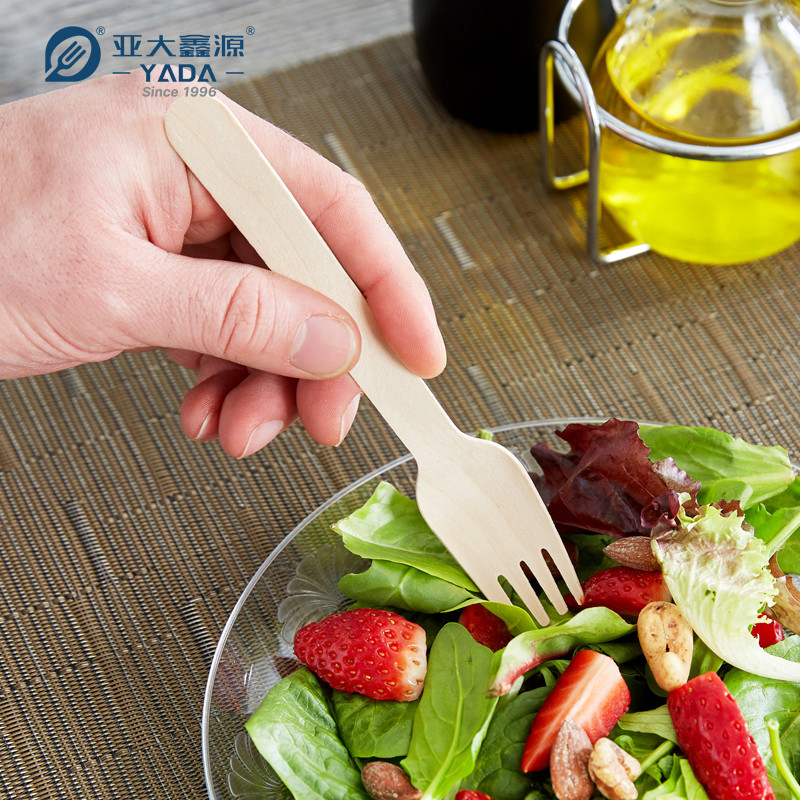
(73, 54)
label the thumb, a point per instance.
(244, 314)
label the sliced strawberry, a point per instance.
(486, 628)
(768, 631)
(371, 652)
(622, 589)
(713, 735)
(590, 691)
(471, 794)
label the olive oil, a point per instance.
(699, 83)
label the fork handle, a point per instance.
(223, 157)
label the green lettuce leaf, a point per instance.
(295, 730)
(453, 714)
(389, 527)
(718, 576)
(746, 472)
(680, 785)
(655, 721)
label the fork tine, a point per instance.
(566, 568)
(494, 592)
(522, 586)
(540, 569)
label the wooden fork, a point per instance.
(475, 495)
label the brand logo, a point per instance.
(72, 54)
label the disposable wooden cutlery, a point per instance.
(475, 495)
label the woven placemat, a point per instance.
(125, 546)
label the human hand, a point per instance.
(112, 245)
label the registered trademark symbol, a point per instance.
(249, 30)
(100, 30)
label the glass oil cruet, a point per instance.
(706, 95)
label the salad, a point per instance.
(677, 677)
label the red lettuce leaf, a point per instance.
(607, 484)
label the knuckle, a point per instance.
(343, 195)
(247, 321)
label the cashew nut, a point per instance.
(666, 639)
(613, 770)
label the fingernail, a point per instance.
(323, 346)
(262, 435)
(203, 430)
(348, 417)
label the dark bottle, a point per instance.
(481, 57)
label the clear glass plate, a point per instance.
(295, 585)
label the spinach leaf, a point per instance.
(515, 617)
(703, 659)
(592, 559)
(497, 770)
(759, 698)
(542, 792)
(389, 527)
(374, 728)
(392, 585)
(295, 730)
(788, 498)
(623, 650)
(453, 714)
(709, 455)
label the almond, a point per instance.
(386, 781)
(634, 552)
(569, 760)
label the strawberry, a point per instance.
(590, 691)
(768, 631)
(371, 652)
(622, 589)
(713, 735)
(471, 794)
(486, 628)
